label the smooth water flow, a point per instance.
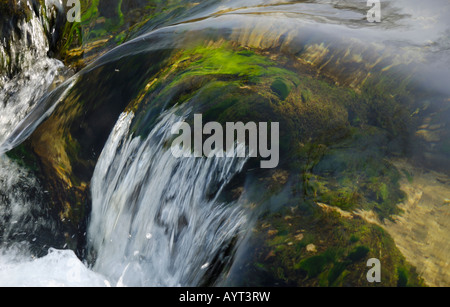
(156, 220)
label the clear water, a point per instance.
(142, 233)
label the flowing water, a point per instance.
(157, 220)
(27, 230)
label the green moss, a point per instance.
(335, 272)
(24, 157)
(402, 277)
(224, 60)
(314, 265)
(222, 82)
(354, 239)
(331, 193)
(278, 240)
(306, 95)
(383, 192)
(280, 88)
(338, 262)
(354, 173)
(358, 254)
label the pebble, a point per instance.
(299, 237)
(311, 248)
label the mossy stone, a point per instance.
(358, 253)
(280, 88)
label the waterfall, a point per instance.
(27, 233)
(21, 216)
(20, 95)
(26, 75)
(26, 71)
(21, 52)
(25, 41)
(27, 229)
(157, 220)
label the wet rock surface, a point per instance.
(29, 31)
(347, 107)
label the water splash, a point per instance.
(57, 269)
(27, 40)
(156, 220)
(23, 215)
(20, 95)
(28, 232)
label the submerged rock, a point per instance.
(106, 24)
(346, 108)
(333, 253)
(420, 232)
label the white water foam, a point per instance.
(22, 222)
(20, 94)
(60, 268)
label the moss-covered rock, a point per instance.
(105, 24)
(306, 246)
(337, 138)
(320, 145)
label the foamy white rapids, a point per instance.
(32, 44)
(22, 219)
(26, 72)
(156, 220)
(57, 269)
(21, 94)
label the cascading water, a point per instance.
(21, 52)
(21, 199)
(26, 71)
(26, 229)
(20, 95)
(29, 75)
(157, 220)
(27, 232)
